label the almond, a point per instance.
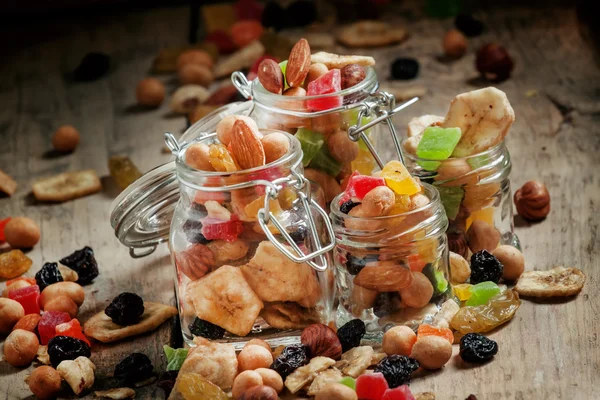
(298, 63)
(246, 145)
(383, 276)
(270, 76)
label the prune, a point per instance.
(351, 333)
(273, 16)
(485, 267)
(134, 368)
(347, 206)
(193, 232)
(300, 13)
(291, 358)
(298, 234)
(386, 303)
(397, 369)
(84, 263)
(92, 67)
(48, 275)
(468, 25)
(200, 327)
(125, 309)
(405, 68)
(167, 381)
(62, 348)
(476, 348)
(356, 264)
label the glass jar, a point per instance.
(391, 270)
(473, 188)
(250, 248)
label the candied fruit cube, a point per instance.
(451, 198)
(416, 263)
(371, 386)
(123, 171)
(462, 291)
(349, 381)
(310, 142)
(253, 207)
(430, 330)
(3, 223)
(193, 386)
(438, 143)
(214, 229)
(329, 83)
(325, 162)
(482, 292)
(48, 322)
(401, 205)
(71, 329)
(486, 215)
(359, 185)
(13, 264)
(399, 393)
(399, 180)
(28, 297)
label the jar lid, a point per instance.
(141, 215)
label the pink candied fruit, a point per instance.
(215, 229)
(48, 322)
(71, 329)
(371, 386)
(28, 297)
(329, 83)
(360, 185)
(399, 393)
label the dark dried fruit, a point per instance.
(468, 25)
(125, 309)
(300, 13)
(351, 333)
(476, 348)
(134, 368)
(62, 348)
(48, 275)
(92, 67)
(291, 358)
(273, 16)
(494, 62)
(167, 381)
(347, 206)
(200, 327)
(356, 264)
(299, 234)
(485, 267)
(193, 232)
(84, 263)
(397, 369)
(386, 303)
(405, 68)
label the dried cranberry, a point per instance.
(125, 309)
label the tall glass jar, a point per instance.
(250, 248)
(475, 192)
(391, 270)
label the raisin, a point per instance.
(405, 68)
(386, 303)
(167, 381)
(468, 25)
(134, 368)
(48, 275)
(125, 309)
(84, 263)
(299, 234)
(193, 232)
(200, 327)
(62, 348)
(476, 348)
(356, 264)
(397, 369)
(485, 267)
(347, 206)
(351, 333)
(291, 358)
(92, 67)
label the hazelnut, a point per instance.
(315, 71)
(330, 186)
(322, 341)
(512, 260)
(253, 357)
(21, 232)
(28, 323)
(225, 127)
(379, 201)
(258, 342)
(295, 92)
(70, 289)
(341, 147)
(244, 381)
(432, 352)
(198, 57)
(276, 145)
(261, 392)
(336, 391)
(352, 74)
(454, 44)
(532, 201)
(399, 340)
(44, 382)
(20, 348)
(419, 292)
(482, 236)
(62, 303)
(201, 111)
(457, 242)
(195, 74)
(11, 312)
(65, 139)
(271, 378)
(197, 156)
(150, 92)
(494, 62)
(455, 172)
(460, 270)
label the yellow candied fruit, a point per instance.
(462, 291)
(13, 264)
(485, 215)
(364, 163)
(401, 205)
(193, 386)
(220, 158)
(252, 208)
(287, 197)
(428, 249)
(399, 180)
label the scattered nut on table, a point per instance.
(44, 382)
(78, 373)
(533, 201)
(66, 138)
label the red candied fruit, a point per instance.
(3, 223)
(399, 393)
(416, 263)
(48, 322)
(248, 9)
(371, 386)
(329, 83)
(71, 329)
(216, 229)
(28, 297)
(245, 32)
(222, 40)
(360, 185)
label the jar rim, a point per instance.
(494, 150)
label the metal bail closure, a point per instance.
(243, 85)
(316, 259)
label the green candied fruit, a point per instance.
(482, 293)
(438, 143)
(451, 197)
(175, 357)
(349, 381)
(311, 142)
(325, 162)
(283, 66)
(437, 279)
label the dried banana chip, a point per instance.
(7, 184)
(424, 396)
(355, 361)
(556, 282)
(103, 329)
(116, 394)
(336, 61)
(323, 379)
(305, 375)
(213, 361)
(67, 186)
(371, 34)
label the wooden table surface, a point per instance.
(549, 351)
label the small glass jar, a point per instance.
(473, 188)
(392, 270)
(250, 248)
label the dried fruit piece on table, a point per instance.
(7, 184)
(371, 34)
(13, 264)
(200, 327)
(400, 393)
(397, 369)
(103, 329)
(48, 322)
(246, 145)
(291, 358)
(355, 361)
(371, 386)
(532, 201)
(125, 309)
(405, 68)
(84, 263)
(399, 180)
(123, 171)
(484, 318)
(62, 348)
(48, 275)
(322, 341)
(116, 393)
(28, 298)
(327, 84)
(67, 186)
(556, 282)
(350, 382)
(243, 58)
(93, 65)
(79, 373)
(494, 62)
(150, 92)
(481, 293)
(193, 386)
(462, 291)
(485, 267)
(213, 361)
(304, 375)
(71, 329)
(324, 379)
(351, 333)
(187, 97)
(447, 311)
(134, 368)
(476, 348)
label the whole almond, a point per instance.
(298, 63)
(246, 146)
(270, 76)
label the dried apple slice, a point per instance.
(67, 186)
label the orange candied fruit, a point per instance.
(430, 330)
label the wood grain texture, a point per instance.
(549, 351)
